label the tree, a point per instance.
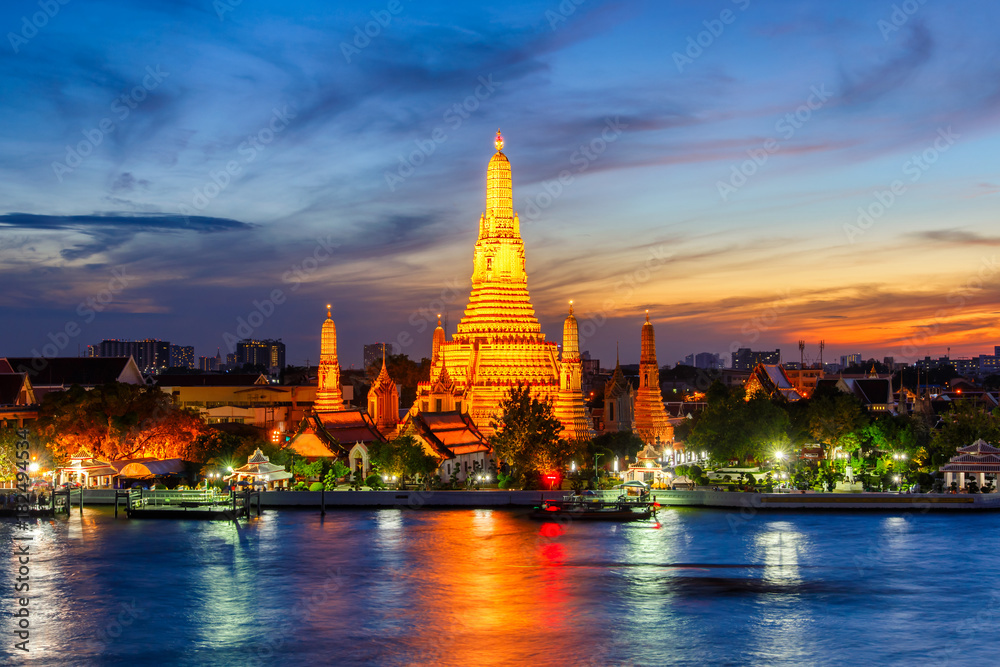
(117, 421)
(526, 437)
(965, 423)
(836, 420)
(336, 472)
(401, 457)
(735, 427)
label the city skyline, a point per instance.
(284, 175)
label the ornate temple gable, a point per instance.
(328, 394)
(383, 400)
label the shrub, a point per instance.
(316, 486)
(374, 481)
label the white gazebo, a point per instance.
(646, 468)
(259, 471)
(980, 459)
(86, 470)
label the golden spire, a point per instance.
(329, 312)
(499, 194)
(571, 306)
(647, 314)
(499, 140)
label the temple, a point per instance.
(499, 342)
(328, 396)
(569, 407)
(652, 423)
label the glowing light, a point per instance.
(33, 467)
(499, 141)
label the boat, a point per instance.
(591, 508)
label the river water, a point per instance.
(491, 587)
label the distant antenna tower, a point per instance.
(822, 346)
(802, 361)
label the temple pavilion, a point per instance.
(259, 471)
(979, 459)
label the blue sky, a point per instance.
(317, 207)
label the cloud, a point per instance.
(882, 79)
(112, 230)
(957, 237)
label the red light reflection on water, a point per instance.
(551, 530)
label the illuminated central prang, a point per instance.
(499, 342)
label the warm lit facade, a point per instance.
(328, 396)
(499, 342)
(383, 401)
(569, 407)
(652, 423)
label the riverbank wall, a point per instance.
(333, 500)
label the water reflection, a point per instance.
(399, 587)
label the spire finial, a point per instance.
(499, 140)
(571, 306)
(647, 314)
(617, 356)
(383, 355)
(439, 319)
(329, 313)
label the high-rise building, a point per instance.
(848, 360)
(689, 360)
(745, 359)
(150, 355)
(182, 356)
(374, 351)
(210, 364)
(707, 360)
(267, 353)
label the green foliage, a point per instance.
(309, 470)
(374, 481)
(682, 470)
(963, 425)
(401, 457)
(619, 444)
(836, 420)
(526, 437)
(316, 486)
(336, 472)
(732, 427)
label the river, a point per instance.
(492, 587)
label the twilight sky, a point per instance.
(170, 167)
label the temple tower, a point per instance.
(328, 395)
(383, 400)
(651, 418)
(499, 342)
(570, 408)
